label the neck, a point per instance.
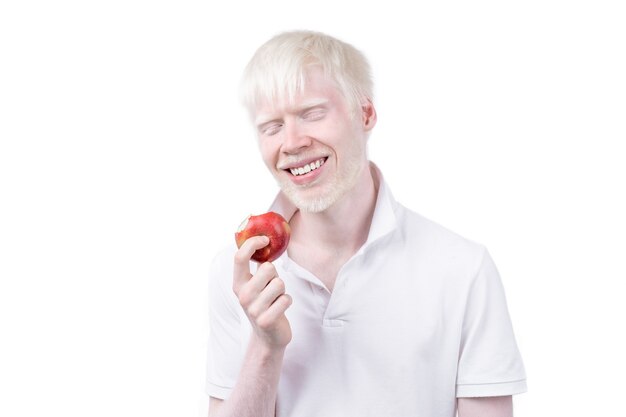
(343, 228)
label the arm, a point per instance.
(215, 404)
(263, 298)
(255, 391)
(485, 406)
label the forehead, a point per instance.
(316, 89)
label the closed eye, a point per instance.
(271, 129)
(314, 114)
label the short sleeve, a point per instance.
(224, 345)
(489, 363)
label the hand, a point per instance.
(262, 296)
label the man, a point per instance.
(373, 310)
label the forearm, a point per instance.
(264, 301)
(254, 394)
(485, 407)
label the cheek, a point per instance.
(350, 141)
(268, 153)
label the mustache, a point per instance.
(300, 159)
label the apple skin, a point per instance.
(270, 224)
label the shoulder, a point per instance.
(419, 230)
(223, 259)
(438, 244)
(221, 273)
(221, 267)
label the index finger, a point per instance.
(241, 270)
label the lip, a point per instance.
(301, 163)
(309, 177)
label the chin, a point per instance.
(322, 196)
(308, 203)
(317, 205)
(324, 199)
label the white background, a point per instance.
(126, 162)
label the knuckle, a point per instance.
(245, 297)
(265, 322)
(254, 313)
(285, 300)
(266, 268)
(279, 284)
(240, 257)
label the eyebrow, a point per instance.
(307, 105)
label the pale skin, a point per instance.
(318, 124)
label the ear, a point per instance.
(368, 114)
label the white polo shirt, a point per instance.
(417, 317)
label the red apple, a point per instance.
(272, 225)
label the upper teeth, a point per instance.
(307, 168)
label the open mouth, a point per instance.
(306, 168)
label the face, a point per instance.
(315, 146)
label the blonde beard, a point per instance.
(332, 192)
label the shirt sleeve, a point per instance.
(489, 362)
(224, 345)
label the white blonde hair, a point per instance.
(277, 71)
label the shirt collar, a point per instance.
(383, 222)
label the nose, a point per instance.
(295, 139)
